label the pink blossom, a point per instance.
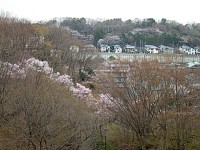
(65, 79)
(101, 104)
(80, 90)
(13, 70)
(40, 66)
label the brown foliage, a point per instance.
(152, 102)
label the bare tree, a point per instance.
(150, 101)
(36, 112)
(42, 114)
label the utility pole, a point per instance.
(105, 138)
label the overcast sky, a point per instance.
(183, 11)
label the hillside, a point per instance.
(135, 32)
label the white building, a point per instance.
(104, 48)
(151, 49)
(117, 49)
(130, 49)
(166, 49)
(187, 50)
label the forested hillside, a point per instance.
(137, 32)
(42, 105)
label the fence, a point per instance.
(178, 58)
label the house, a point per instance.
(187, 50)
(151, 49)
(197, 50)
(130, 49)
(117, 49)
(166, 49)
(104, 48)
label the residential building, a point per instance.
(187, 50)
(166, 49)
(117, 49)
(151, 49)
(130, 49)
(104, 48)
(197, 50)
